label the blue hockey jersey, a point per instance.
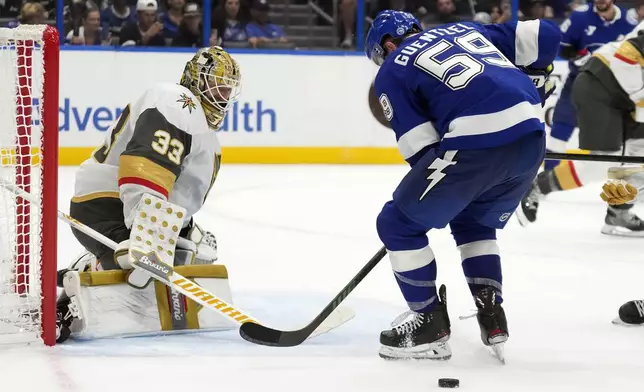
(585, 30)
(459, 85)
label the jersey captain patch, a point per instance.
(387, 110)
(187, 102)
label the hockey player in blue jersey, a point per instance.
(463, 102)
(587, 29)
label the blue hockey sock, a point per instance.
(479, 255)
(415, 272)
(412, 259)
(482, 266)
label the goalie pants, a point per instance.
(603, 110)
(475, 192)
(105, 215)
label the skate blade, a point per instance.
(521, 218)
(621, 232)
(498, 350)
(438, 351)
(618, 321)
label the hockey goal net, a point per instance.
(28, 162)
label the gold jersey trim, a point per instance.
(131, 166)
(95, 195)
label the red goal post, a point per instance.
(29, 71)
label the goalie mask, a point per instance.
(214, 78)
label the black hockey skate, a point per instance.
(631, 313)
(425, 336)
(527, 211)
(620, 221)
(69, 311)
(64, 319)
(492, 321)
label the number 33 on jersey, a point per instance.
(161, 144)
(460, 85)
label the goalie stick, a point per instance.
(259, 334)
(179, 283)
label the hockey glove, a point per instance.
(618, 192)
(541, 80)
(205, 242)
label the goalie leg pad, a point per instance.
(112, 308)
(176, 312)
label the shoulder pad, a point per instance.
(179, 107)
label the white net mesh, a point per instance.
(21, 80)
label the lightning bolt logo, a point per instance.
(436, 168)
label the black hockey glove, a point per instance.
(541, 80)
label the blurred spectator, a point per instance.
(637, 12)
(348, 18)
(534, 9)
(148, 31)
(171, 19)
(190, 30)
(260, 31)
(90, 32)
(31, 13)
(500, 12)
(483, 17)
(446, 11)
(229, 22)
(10, 8)
(114, 17)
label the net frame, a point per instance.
(25, 39)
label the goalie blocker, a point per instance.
(122, 301)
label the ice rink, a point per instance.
(292, 236)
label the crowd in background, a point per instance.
(247, 23)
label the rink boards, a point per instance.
(297, 107)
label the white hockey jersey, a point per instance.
(160, 144)
(626, 60)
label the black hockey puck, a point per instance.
(448, 382)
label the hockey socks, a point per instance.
(479, 257)
(415, 272)
(482, 266)
(412, 260)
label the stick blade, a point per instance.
(259, 334)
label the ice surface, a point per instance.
(292, 236)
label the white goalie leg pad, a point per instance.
(112, 308)
(77, 302)
(85, 261)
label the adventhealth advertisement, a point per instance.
(321, 104)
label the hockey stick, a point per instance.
(594, 157)
(176, 281)
(262, 335)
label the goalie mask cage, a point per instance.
(28, 161)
